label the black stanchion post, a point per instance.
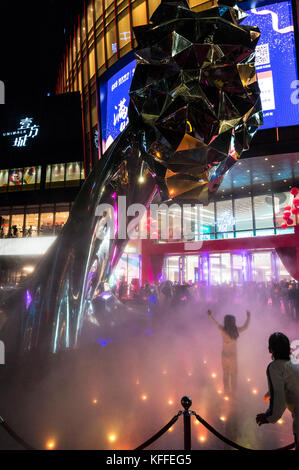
(186, 403)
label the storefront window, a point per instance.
(207, 223)
(128, 270)
(31, 225)
(60, 220)
(15, 179)
(57, 175)
(262, 268)
(73, 174)
(243, 214)
(225, 219)
(280, 201)
(172, 268)
(263, 211)
(29, 178)
(17, 222)
(3, 180)
(192, 268)
(238, 268)
(46, 224)
(4, 229)
(226, 272)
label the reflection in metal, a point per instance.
(194, 108)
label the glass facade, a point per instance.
(100, 39)
(29, 178)
(226, 268)
(128, 270)
(242, 217)
(20, 179)
(60, 175)
(33, 221)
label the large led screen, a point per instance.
(275, 64)
(114, 96)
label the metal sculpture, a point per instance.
(194, 107)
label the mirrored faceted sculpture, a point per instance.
(194, 107)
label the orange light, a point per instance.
(170, 402)
(112, 437)
(190, 374)
(164, 372)
(196, 421)
(219, 392)
(280, 421)
(226, 398)
(144, 397)
(95, 401)
(50, 445)
(222, 418)
(202, 438)
(137, 382)
(254, 391)
(158, 154)
(213, 375)
(204, 362)
(248, 380)
(170, 429)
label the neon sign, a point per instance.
(26, 130)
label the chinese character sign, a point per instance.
(276, 64)
(27, 130)
(115, 104)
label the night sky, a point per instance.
(33, 35)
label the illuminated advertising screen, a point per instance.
(276, 63)
(114, 97)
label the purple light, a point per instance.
(28, 298)
(114, 254)
(115, 219)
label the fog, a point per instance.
(117, 392)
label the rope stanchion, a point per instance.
(14, 435)
(186, 403)
(160, 433)
(228, 441)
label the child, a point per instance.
(230, 333)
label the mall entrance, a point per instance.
(219, 268)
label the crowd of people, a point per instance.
(278, 297)
(16, 232)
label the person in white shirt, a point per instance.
(283, 382)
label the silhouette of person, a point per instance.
(230, 333)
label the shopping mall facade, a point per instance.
(242, 238)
